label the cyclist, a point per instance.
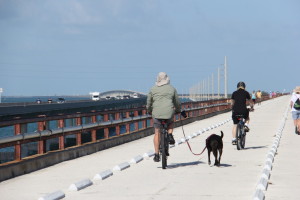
(239, 107)
(162, 103)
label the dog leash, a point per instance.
(196, 154)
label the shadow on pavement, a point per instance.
(225, 165)
(259, 147)
(176, 165)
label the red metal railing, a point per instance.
(89, 127)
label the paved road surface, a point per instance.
(188, 176)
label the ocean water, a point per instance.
(26, 99)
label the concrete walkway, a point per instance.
(187, 176)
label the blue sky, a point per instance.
(74, 47)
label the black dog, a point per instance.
(214, 143)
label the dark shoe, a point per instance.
(296, 131)
(246, 128)
(171, 139)
(156, 158)
(167, 153)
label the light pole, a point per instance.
(1, 90)
(225, 75)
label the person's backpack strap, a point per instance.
(297, 104)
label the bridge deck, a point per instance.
(188, 176)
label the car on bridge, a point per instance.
(61, 100)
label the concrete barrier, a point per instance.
(103, 175)
(54, 196)
(121, 167)
(263, 181)
(148, 154)
(262, 184)
(80, 185)
(266, 174)
(259, 195)
(136, 159)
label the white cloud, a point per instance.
(76, 13)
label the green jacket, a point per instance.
(163, 102)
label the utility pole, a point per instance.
(1, 90)
(203, 90)
(218, 82)
(225, 75)
(208, 83)
(212, 86)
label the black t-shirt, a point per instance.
(240, 97)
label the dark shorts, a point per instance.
(235, 119)
(157, 123)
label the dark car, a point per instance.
(61, 100)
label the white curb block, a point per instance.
(259, 195)
(262, 184)
(80, 185)
(268, 165)
(178, 142)
(53, 196)
(182, 140)
(121, 166)
(103, 175)
(270, 157)
(136, 159)
(266, 174)
(148, 154)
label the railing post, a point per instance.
(61, 139)
(128, 123)
(117, 117)
(18, 145)
(41, 143)
(106, 130)
(78, 135)
(144, 112)
(93, 132)
(136, 124)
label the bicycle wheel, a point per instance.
(243, 138)
(238, 137)
(163, 142)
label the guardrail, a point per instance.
(56, 133)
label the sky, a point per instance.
(73, 47)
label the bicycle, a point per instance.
(240, 133)
(164, 143)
